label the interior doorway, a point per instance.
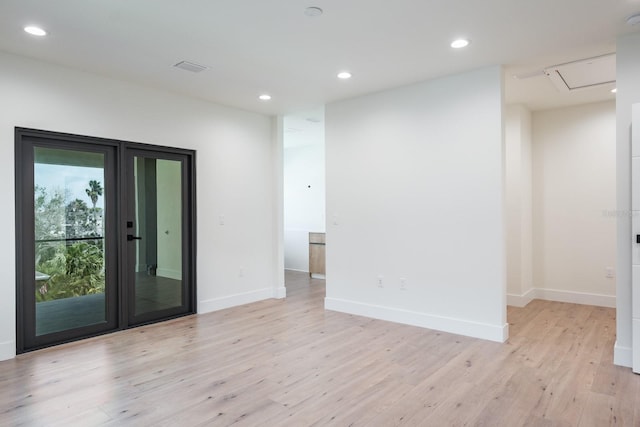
(104, 236)
(304, 193)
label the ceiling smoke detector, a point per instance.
(313, 11)
(634, 19)
(190, 66)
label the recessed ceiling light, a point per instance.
(264, 97)
(35, 31)
(459, 43)
(614, 90)
(313, 11)
(344, 75)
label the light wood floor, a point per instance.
(290, 363)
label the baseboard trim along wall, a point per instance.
(424, 320)
(7, 350)
(279, 293)
(561, 296)
(229, 301)
(169, 274)
(295, 269)
(521, 300)
(622, 356)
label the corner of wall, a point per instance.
(228, 301)
(518, 184)
(627, 70)
(278, 170)
(7, 350)
(521, 300)
(622, 355)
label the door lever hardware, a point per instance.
(131, 237)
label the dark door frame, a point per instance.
(116, 258)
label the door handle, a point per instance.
(131, 237)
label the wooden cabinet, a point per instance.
(316, 255)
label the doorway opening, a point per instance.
(304, 197)
(560, 160)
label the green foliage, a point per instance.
(94, 190)
(83, 260)
(75, 270)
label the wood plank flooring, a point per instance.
(290, 363)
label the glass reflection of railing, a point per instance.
(69, 239)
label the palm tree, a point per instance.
(94, 191)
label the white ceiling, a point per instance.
(256, 46)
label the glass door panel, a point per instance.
(69, 212)
(156, 237)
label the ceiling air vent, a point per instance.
(584, 73)
(190, 66)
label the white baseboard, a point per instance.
(295, 269)
(169, 274)
(576, 297)
(561, 296)
(7, 350)
(318, 276)
(635, 338)
(445, 324)
(228, 301)
(279, 293)
(622, 356)
(521, 300)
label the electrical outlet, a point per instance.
(403, 284)
(380, 285)
(608, 273)
(241, 272)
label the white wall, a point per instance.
(415, 192)
(304, 201)
(574, 170)
(518, 186)
(628, 84)
(235, 171)
(169, 214)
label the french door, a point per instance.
(157, 220)
(104, 236)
